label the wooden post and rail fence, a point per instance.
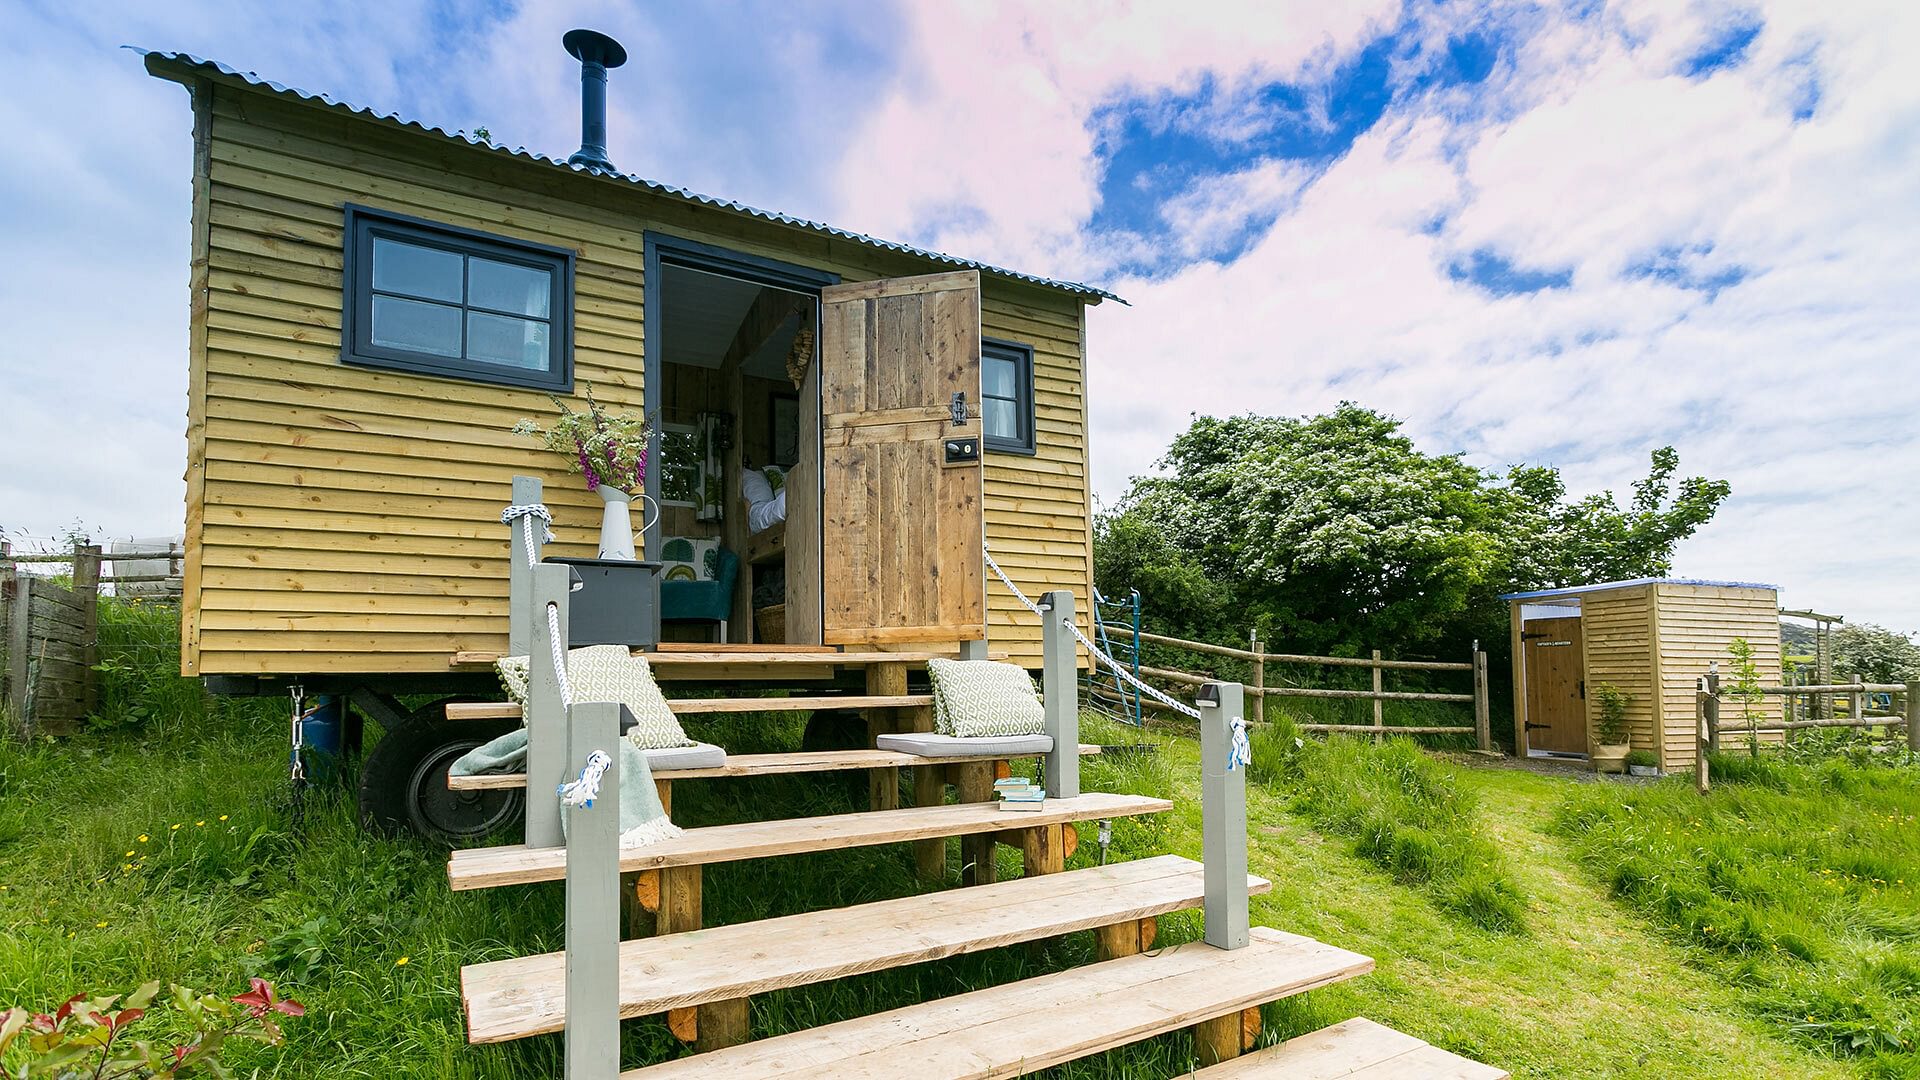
(1708, 692)
(49, 631)
(1260, 690)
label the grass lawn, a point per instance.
(165, 853)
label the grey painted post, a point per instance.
(973, 650)
(1223, 817)
(547, 751)
(593, 903)
(1057, 655)
(526, 491)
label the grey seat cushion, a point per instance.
(930, 745)
(698, 756)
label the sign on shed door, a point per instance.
(1556, 685)
(902, 523)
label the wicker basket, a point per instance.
(770, 624)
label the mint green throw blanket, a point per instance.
(642, 819)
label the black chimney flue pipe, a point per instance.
(596, 52)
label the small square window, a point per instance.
(1006, 396)
(452, 302)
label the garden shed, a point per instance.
(1652, 638)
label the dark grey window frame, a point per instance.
(363, 223)
(1022, 357)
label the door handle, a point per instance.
(959, 408)
(1583, 689)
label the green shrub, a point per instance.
(1611, 724)
(138, 673)
(1642, 758)
(1401, 810)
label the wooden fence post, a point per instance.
(1482, 709)
(1711, 683)
(1700, 736)
(1857, 700)
(1259, 674)
(593, 901)
(1379, 712)
(1913, 716)
(16, 598)
(86, 593)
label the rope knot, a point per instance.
(1239, 750)
(530, 510)
(582, 791)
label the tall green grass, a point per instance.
(1401, 810)
(1797, 881)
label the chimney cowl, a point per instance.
(596, 52)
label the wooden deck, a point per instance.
(768, 765)
(486, 868)
(1020, 1028)
(511, 999)
(507, 710)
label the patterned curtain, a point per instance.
(714, 433)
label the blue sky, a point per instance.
(1538, 232)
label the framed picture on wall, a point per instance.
(785, 424)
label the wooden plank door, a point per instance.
(1556, 685)
(901, 526)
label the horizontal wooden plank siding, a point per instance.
(1697, 623)
(1617, 625)
(342, 519)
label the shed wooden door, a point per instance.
(901, 528)
(1556, 674)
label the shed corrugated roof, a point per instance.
(1602, 586)
(157, 59)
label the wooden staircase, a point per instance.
(704, 979)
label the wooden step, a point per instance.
(486, 868)
(511, 999)
(1019, 1028)
(507, 710)
(766, 765)
(772, 656)
(1356, 1049)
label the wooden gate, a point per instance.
(1556, 685)
(902, 518)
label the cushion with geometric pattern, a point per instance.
(609, 673)
(974, 698)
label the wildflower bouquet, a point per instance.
(609, 448)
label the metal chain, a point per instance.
(1091, 648)
(559, 656)
(297, 753)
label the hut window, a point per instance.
(441, 300)
(1006, 396)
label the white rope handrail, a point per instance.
(559, 655)
(1095, 651)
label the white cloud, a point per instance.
(1796, 383)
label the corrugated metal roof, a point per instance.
(189, 62)
(1602, 586)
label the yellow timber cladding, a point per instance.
(342, 519)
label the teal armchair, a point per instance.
(703, 601)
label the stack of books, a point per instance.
(1019, 794)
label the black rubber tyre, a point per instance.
(403, 783)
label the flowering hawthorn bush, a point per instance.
(91, 1038)
(609, 448)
